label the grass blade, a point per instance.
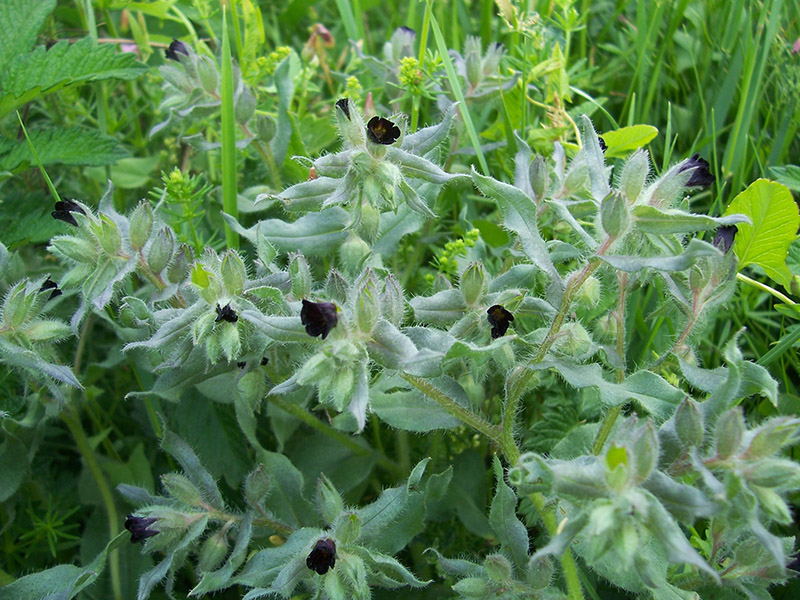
(229, 192)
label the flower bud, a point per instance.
(576, 180)
(614, 214)
(771, 436)
(207, 74)
(339, 387)
(179, 487)
(73, 248)
(322, 557)
(605, 328)
(730, 428)
(178, 270)
(336, 286)
(319, 318)
(392, 302)
(367, 304)
(498, 568)
(353, 252)
(329, 500)
(46, 331)
(473, 63)
(244, 106)
(370, 221)
(772, 504)
(160, 251)
(348, 528)
(645, 451)
(634, 175)
(588, 295)
(213, 551)
(689, 423)
(141, 225)
(472, 587)
(233, 273)
(257, 485)
(351, 125)
(473, 284)
(299, 275)
(16, 307)
(775, 473)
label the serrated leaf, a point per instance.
(775, 218)
(46, 70)
(623, 141)
(20, 22)
(62, 146)
(504, 521)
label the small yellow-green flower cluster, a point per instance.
(353, 90)
(447, 262)
(410, 75)
(269, 63)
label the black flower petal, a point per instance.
(264, 360)
(343, 104)
(382, 131)
(318, 317)
(603, 145)
(226, 313)
(322, 557)
(140, 527)
(64, 210)
(49, 284)
(499, 318)
(701, 176)
(723, 239)
(175, 48)
(241, 364)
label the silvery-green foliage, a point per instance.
(480, 70)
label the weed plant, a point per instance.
(475, 299)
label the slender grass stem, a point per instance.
(82, 442)
(765, 288)
(229, 192)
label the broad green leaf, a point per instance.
(61, 582)
(623, 141)
(195, 471)
(44, 70)
(20, 22)
(397, 405)
(650, 219)
(389, 347)
(440, 309)
(504, 521)
(788, 176)
(775, 219)
(695, 250)
(62, 146)
(14, 458)
(286, 500)
(426, 139)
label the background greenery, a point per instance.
(719, 78)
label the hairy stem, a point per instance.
(346, 441)
(463, 414)
(547, 513)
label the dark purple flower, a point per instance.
(49, 284)
(318, 317)
(701, 176)
(140, 527)
(64, 210)
(382, 131)
(264, 361)
(322, 557)
(499, 318)
(241, 364)
(175, 48)
(723, 239)
(602, 142)
(226, 313)
(343, 104)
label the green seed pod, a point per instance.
(730, 428)
(233, 273)
(212, 552)
(108, 235)
(498, 568)
(141, 225)
(179, 487)
(588, 295)
(367, 303)
(336, 287)
(645, 451)
(573, 340)
(244, 106)
(605, 328)
(178, 270)
(329, 500)
(47, 331)
(634, 175)
(472, 587)
(257, 485)
(689, 423)
(392, 302)
(229, 341)
(266, 127)
(353, 252)
(615, 214)
(300, 276)
(348, 528)
(161, 249)
(540, 178)
(540, 572)
(17, 306)
(473, 284)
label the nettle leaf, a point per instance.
(695, 250)
(61, 582)
(20, 22)
(44, 71)
(62, 146)
(504, 521)
(650, 219)
(650, 391)
(623, 141)
(775, 218)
